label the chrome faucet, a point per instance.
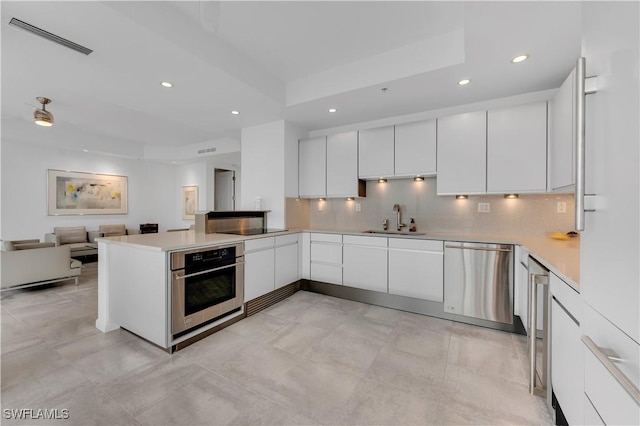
(399, 224)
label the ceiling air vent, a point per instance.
(46, 34)
(204, 151)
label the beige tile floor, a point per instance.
(310, 359)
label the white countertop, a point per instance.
(561, 257)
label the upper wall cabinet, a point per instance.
(561, 141)
(517, 149)
(342, 166)
(462, 153)
(415, 149)
(376, 152)
(312, 167)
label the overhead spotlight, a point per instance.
(520, 58)
(464, 82)
(42, 117)
(332, 110)
(167, 84)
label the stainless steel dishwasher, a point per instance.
(478, 280)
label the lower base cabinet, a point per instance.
(416, 269)
(286, 260)
(365, 263)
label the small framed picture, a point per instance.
(189, 202)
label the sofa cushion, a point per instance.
(112, 230)
(71, 234)
(29, 246)
(75, 264)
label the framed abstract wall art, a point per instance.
(82, 193)
(189, 202)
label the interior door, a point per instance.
(224, 190)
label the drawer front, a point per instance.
(567, 296)
(285, 240)
(610, 399)
(326, 273)
(330, 238)
(326, 253)
(365, 241)
(258, 244)
(410, 244)
(591, 416)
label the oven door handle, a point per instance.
(182, 277)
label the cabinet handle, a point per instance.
(182, 277)
(478, 248)
(578, 135)
(626, 384)
(534, 280)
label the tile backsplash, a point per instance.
(527, 215)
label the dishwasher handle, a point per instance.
(506, 250)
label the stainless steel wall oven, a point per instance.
(206, 285)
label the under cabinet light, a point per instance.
(321, 199)
(511, 196)
(418, 179)
(350, 198)
(461, 197)
(382, 180)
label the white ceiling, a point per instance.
(269, 60)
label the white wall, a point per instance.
(191, 174)
(151, 190)
(262, 162)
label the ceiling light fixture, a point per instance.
(85, 150)
(461, 197)
(234, 112)
(42, 117)
(464, 82)
(332, 110)
(520, 58)
(167, 84)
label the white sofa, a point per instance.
(29, 267)
(80, 242)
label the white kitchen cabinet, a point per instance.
(561, 142)
(304, 252)
(259, 267)
(614, 405)
(342, 166)
(286, 260)
(365, 262)
(416, 268)
(462, 154)
(517, 149)
(415, 149)
(326, 258)
(567, 357)
(376, 153)
(312, 167)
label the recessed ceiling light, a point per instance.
(464, 82)
(166, 84)
(234, 112)
(85, 150)
(332, 110)
(520, 58)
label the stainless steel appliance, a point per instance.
(479, 280)
(206, 285)
(246, 222)
(538, 327)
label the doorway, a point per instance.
(225, 190)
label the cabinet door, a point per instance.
(259, 273)
(517, 149)
(365, 266)
(375, 153)
(342, 165)
(462, 154)
(567, 365)
(415, 273)
(312, 167)
(415, 149)
(286, 265)
(561, 146)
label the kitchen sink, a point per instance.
(376, 231)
